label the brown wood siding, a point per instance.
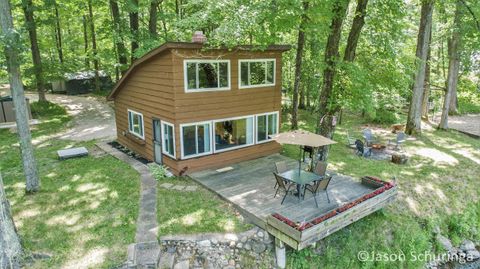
(156, 89)
(148, 91)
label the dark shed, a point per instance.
(7, 111)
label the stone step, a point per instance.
(143, 255)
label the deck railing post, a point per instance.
(280, 254)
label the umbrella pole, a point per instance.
(300, 161)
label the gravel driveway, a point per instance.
(469, 123)
(93, 118)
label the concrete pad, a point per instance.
(191, 188)
(178, 188)
(166, 185)
(72, 153)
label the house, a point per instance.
(191, 108)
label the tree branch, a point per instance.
(471, 13)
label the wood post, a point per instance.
(280, 253)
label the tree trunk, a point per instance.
(301, 97)
(298, 65)
(453, 66)
(453, 108)
(326, 103)
(152, 20)
(58, 33)
(414, 124)
(121, 50)
(10, 36)
(94, 47)
(354, 35)
(133, 15)
(426, 87)
(10, 247)
(85, 42)
(28, 8)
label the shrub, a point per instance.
(382, 116)
(159, 172)
(46, 109)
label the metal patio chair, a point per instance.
(282, 186)
(318, 186)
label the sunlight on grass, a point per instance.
(438, 186)
(437, 156)
(77, 217)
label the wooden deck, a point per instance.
(250, 187)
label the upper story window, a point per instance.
(206, 75)
(256, 73)
(135, 124)
(168, 139)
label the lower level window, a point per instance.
(135, 123)
(267, 125)
(196, 139)
(233, 133)
(168, 139)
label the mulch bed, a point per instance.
(128, 152)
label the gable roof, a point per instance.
(182, 45)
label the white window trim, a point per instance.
(248, 72)
(163, 139)
(196, 137)
(268, 135)
(185, 79)
(236, 147)
(130, 128)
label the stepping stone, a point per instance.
(166, 185)
(72, 153)
(178, 188)
(191, 188)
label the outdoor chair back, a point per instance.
(321, 168)
(400, 138)
(280, 181)
(350, 140)
(369, 138)
(281, 185)
(321, 185)
(281, 167)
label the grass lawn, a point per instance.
(439, 186)
(84, 215)
(200, 211)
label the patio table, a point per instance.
(301, 178)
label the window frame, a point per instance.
(182, 153)
(265, 60)
(256, 126)
(197, 61)
(130, 124)
(236, 147)
(162, 123)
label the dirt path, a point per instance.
(469, 123)
(92, 118)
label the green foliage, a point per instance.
(159, 172)
(407, 225)
(383, 116)
(468, 97)
(47, 110)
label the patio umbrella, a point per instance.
(302, 138)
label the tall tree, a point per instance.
(414, 123)
(94, 46)
(355, 30)
(152, 20)
(28, 9)
(85, 41)
(58, 32)
(326, 102)
(12, 41)
(298, 64)
(120, 46)
(453, 65)
(133, 15)
(10, 247)
(426, 86)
